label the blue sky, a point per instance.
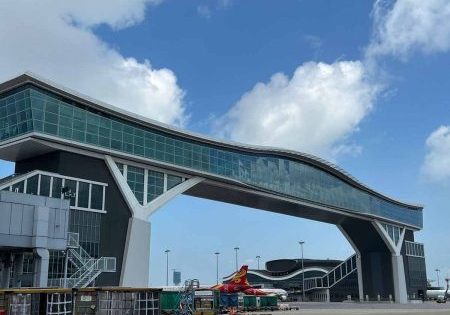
(364, 84)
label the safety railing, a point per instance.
(73, 240)
(333, 276)
(87, 267)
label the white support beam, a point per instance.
(161, 200)
(136, 258)
(398, 269)
(130, 199)
(394, 248)
(358, 262)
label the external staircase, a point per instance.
(87, 267)
(333, 277)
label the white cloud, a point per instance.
(315, 111)
(204, 11)
(55, 39)
(408, 25)
(436, 166)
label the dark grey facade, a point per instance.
(141, 164)
(113, 226)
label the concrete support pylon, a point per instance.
(398, 269)
(136, 258)
(358, 263)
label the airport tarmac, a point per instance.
(430, 308)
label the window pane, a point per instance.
(45, 186)
(57, 186)
(173, 181)
(18, 187)
(72, 186)
(155, 185)
(32, 185)
(97, 197)
(83, 195)
(135, 179)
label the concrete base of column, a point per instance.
(136, 258)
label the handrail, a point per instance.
(325, 281)
(88, 268)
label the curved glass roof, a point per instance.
(27, 108)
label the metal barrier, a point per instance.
(87, 301)
(333, 276)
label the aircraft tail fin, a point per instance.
(241, 276)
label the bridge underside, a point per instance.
(378, 271)
(247, 197)
(376, 258)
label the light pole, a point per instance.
(303, 272)
(236, 251)
(217, 267)
(437, 274)
(167, 251)
(258, 258)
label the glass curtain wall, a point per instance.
(58, 117)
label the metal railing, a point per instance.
(87, 267)
(333, 276)
(73, 240)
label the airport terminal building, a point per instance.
(287, 274)
(89, 175)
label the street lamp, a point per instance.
(258, 258)
(217, 267)
(236, 252)
(437, 274)
(303, 272)
(167, 251)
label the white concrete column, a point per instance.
(398, 269)
(398, 273)
(360, 277)
(358, 263)
(136, 258)
(41, 267)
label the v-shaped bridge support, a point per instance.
(136, 258)
(393, 237)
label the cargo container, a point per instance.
(268, 303)
(250, 303)
(170, 302)
(86, 301)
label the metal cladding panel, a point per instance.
(5, 214)
(30, 224)
(27, 222)
(15, 227)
